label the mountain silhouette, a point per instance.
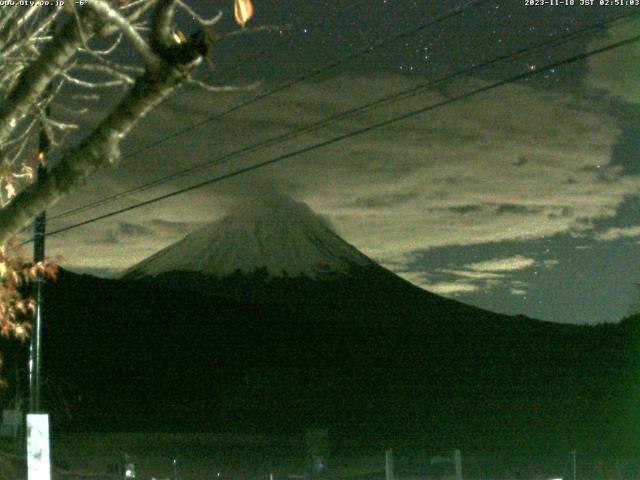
(266, 320)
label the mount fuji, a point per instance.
(273, 249)
(279, 235)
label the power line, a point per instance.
(315, 146)
(232, 68)
(355, 111)
(317, 71)
(288, 84)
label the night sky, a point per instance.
(523, 199)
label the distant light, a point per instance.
(129, 471)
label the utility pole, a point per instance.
(573, 463)
(37, 431)
(35, 349)
(39, 231)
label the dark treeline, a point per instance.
(371, 358)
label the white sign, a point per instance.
(38, 463)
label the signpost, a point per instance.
(38, 463)
(388, 465)
(455, 460)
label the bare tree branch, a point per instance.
(162, 26)
(223, 88)
(107, 50)
(93, 85)
(111, 71)
(35, 78)
(101, 148)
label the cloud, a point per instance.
(441, 288)
(106, 248)
(176, 227)
(484, 276)
(383, 200)
(512, 164)
(475, 275)
(510, 264)
(451, 288)
(618, 233)
(132, 230)
(474, 172)
(616, 71)
(423, 280)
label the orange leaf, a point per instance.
(20, 332)
(243, 10)
(31, 305)
(42, 158)
(179, 37)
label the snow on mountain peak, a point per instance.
(266, 231)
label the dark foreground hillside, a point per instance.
(368, 357)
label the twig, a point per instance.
(140, 44)
(108, 50)
(225, 88)
(205, 22)
(263, 28)
(105, 69)
(92, 85)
